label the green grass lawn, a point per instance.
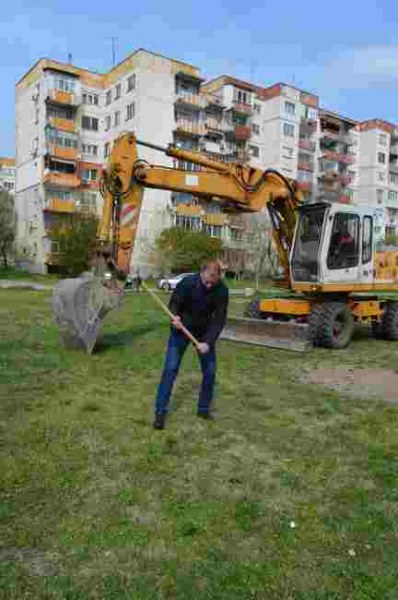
(98, 505)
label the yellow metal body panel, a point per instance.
(367, 309)
(285, 306)
(378, 286)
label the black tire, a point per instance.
(166, 287)
(331, 325)
(253, 310)
(390, 322)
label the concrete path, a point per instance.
(9, 284)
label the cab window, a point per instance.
(344, 243)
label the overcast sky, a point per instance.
(345, 51)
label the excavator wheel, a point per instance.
(331, 325)
(390, 322)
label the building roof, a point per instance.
(7, 162)
(48, 63)
(225, 80)
(377, 124)
(334, 115)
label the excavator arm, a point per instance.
(80, 304)
(238, 188)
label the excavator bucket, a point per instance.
(80, 305)
(272, 334)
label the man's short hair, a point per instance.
(212, 263)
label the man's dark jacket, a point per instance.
(201, 310)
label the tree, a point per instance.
(185, 250)
(8, 223)
(264, 257)
(74, 237)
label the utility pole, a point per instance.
(114, 51)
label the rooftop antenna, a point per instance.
(114, 57)
(70, 58)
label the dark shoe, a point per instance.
(159, 421)
(206, 415)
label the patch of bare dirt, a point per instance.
(379, 384)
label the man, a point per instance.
(199, 302)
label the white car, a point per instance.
(171, 282)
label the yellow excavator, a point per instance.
(334, 275)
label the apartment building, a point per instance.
(67, 119)
(378, 169)
(7, 174)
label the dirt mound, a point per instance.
(379, 384)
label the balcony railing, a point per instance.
(61, 97)
(331, 135)
(242, 107)
(347, 159)
(242, 132)
(190, 128)
(54, 204)
(61, 152)
(193, 100)
(305, 166)
(344, 199)
(214, 125)
(307, 144)
(62, 124)
(346, 179)
(68, 180)
(304, 186)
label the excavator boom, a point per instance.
(237, 187)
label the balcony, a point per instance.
(64, 153)
(55, 178)
(242, 109)
(305, 166)
(330, 135)
(62, 124)
(346, 179)
(393, 167)
(190, 128)
(242, 132)
(304, 186)
(65, 98)
(309, 125)
(190, 100)
(347, 159)
(330, 155)
(344, 199)
(54, 204)
(214, 125)
(211, 147)
(307, 144)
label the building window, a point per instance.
(107, 149)
(90, 149)
(288, 129)
(116, 118)
(131, 81)
(108, 97)
(107, 123)
(382, 139)
(90, 123)
(254, 151)
(287, 152)
(393, 195)
(64, 85)
(393, 179)
(118, 91)
(381, 176)
(8, 185)
(290, 108)
(90, 99)
(256, 129)
(381, 158)
(257, 108)
(367, 240)
(89, 174)
(130, 111)
(379, 196)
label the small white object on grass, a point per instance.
(351, 552)
(292, 524)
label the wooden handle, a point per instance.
(168, 312)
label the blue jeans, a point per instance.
(176, 347)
